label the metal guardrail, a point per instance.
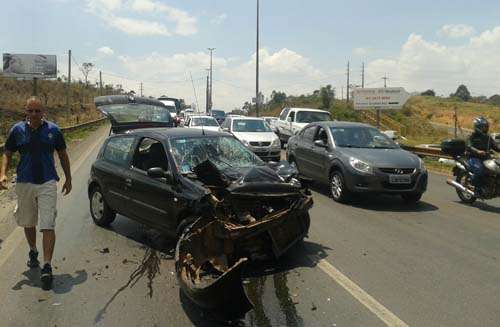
(70, 128)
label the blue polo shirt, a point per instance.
(36, 148)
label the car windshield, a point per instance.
(136, 112)
(172, 109)
(250, 126)
(223, 151)
(312, 116)
(203, 121)
(361, 137)
(218, 113)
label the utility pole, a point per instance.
(348, 75)
(456, 121)
(257, 67)
(385, 78)
(210, 103)
(68, 88)
(100, 82)
(141, 89)
(207, 105)
(363, 75)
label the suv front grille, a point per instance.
(398, 171)
(260, 143)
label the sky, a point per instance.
(304, 44)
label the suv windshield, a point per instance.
(218, 113)
(361, 137)
(312, 116)
(223, 151)
(250, 125)
(203, 121)
(136, 112)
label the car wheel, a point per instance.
(338, 188)
(411, 197)
(101, 213)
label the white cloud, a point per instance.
(157, 15)
(456, 31)
(219, 19)
(422, 65)
(360, 52)
(106, 51)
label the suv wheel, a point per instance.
(99, 209)
(338, 188)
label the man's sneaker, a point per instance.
(33, 259)
(46, 275)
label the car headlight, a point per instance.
(421, 165)
(276, 142)
(360, 165)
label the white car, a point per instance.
(256, 135)
(208, 123)
(292, 120)
(272, 121)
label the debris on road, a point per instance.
(313, 307)
(248, 215)
(104, 251)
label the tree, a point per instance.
(494, 99)
(462, 93)
(278, 97)
(86, 68)
(327, 93)
(429, 93)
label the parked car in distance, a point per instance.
(356, 158)
(173, 105)
(128, 112)
(256, 135)
(219, 115)
(271, 121)
(203, 122)
(292, 120)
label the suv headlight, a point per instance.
(421, 165)
(276, 142)
(360, 165)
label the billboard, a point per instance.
(380, 98)
(29, 65)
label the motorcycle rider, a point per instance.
(480, 144)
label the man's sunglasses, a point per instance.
(34, 110)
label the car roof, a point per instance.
(166, 133)
(341, 124)
(247, 118)
(201, 116)
(308, 109)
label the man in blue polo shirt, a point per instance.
(36, 185)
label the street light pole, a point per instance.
(257, 67)
(211, 71)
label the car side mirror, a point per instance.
(225, 129)
(156, 172)
(289, 119)
(321, 144)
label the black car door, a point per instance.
(304, 150)
(111, 171)
(152, 199)
(319, 155)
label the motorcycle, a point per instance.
(463, 174)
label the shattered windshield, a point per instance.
(361, 137)
(223, 151)
(136, 112)
(204, 121)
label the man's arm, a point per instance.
(6, 159)
(63, 157)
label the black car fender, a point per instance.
(336, 165)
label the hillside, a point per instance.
(13, 95)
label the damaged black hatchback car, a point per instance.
(224, 203)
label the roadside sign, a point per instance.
(29, 65)
(380, 98)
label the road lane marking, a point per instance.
(359, 294)
(10, 244)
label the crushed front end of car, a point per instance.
(255, 213)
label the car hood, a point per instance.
(384, 158)
(256, 137)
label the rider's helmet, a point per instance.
(481, 125)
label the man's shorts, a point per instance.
(36, 205)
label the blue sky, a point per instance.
(305, 44)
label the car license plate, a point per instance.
(400, 179)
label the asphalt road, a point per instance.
(376, 262)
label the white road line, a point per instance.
(359, 294)
(11, 243)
